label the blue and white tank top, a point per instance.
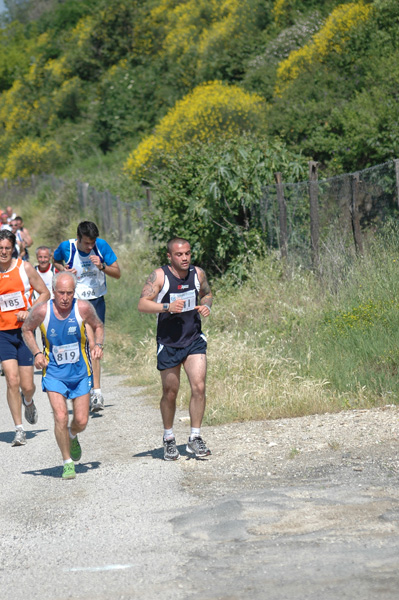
(65, 345)
(90, 280)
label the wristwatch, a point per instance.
(165, 307)
(103, 265)
(101, 346)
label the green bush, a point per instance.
(209, 194)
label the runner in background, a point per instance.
(90, 258)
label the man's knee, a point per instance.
(169, 396)
(81, 422)
(28, 389)
(13, 381)
(61, 417)
(198, 388)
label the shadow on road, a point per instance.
(157, 453)
(7, 436)
(57, 471)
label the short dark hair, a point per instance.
(6, 234)
(176, 240)
(87, 229)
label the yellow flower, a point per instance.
(332, 37)
(210, 111)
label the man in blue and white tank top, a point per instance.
(180, 295)
(90, 258)
(65, 360)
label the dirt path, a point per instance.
(294, 509)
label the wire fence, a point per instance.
(296, 218)
(115, 218)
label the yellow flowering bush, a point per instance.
(193, 29)
(332, 37)
(281, 9)
(210, 111)
(58, 69)
(66, 100)
(15, 109)
(30, 156)
(81, 33)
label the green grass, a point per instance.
(285, 343)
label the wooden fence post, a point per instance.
(282, 215)
(357, 233)
(148, 196)
(110, 218)
(120, 223)
(128, 219)
(314, 213)
(396, 161)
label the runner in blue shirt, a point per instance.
(90, 258)
(65, 361)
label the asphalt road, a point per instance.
(132, 526)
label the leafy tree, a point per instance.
(209, 193)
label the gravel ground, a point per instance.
(295, 509)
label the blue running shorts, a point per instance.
(12, 346)
(70, 389)
(169, 357)
(99, 306)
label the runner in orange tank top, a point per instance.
(18, 279)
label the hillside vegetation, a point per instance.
(203, 101)
(81, 75)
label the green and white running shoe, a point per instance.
(75, 449)
(69, 471)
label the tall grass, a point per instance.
(287, 342)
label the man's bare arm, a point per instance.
(151, 289)
(34, 319)
(90, 317)
(205, 294)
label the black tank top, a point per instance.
(180, 329)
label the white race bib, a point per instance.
(13, 301)
(66, 354)
(188, 297)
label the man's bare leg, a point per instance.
(195, 367)
(170, 386)
(60, 410)
(11, 372)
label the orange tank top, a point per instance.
(15, 295)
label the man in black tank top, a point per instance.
(179, 294)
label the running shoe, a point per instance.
(30, 411)
(20, 438)
(75, 449)
(197, 447)
(69, 471)
(96, 402)
(170, 451)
